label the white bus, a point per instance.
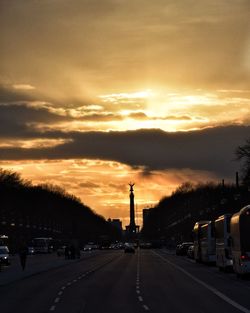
(43, 245)
(207, 241)
(197, 240)
(240, 241)
(223, 245)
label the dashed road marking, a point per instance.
(53, 307)
(146, 307)
(138, 291)
(140, 298)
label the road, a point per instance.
(112, 281)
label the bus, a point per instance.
(207, 241)
(240, 241)
(43, 245)
(197, 239)
(224, 259)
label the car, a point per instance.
(129, 248)
(31, 250)
(4, 255)
(145, 245)
(61, 251)
(88, 247)
(182, 248)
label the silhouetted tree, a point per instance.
(46, 211)
(11, 179)
(175, 215)
(243, 153)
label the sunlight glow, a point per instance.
(116, 97)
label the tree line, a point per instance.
(46, 210)
(173, 218)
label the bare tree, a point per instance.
(243, 154)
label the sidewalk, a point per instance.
(35, 264)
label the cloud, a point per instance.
(18, 120)
(110, 46)
(100, 117)
(8, 94)
(138, 115)
(206, 150)
(23, 87)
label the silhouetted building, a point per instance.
(145, 214)
(116, 223)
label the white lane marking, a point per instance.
(68, 284)
(63, 287)
(74, 280)
(138, 291)
(60, 293)
(146, 307)
(140, 298)
(52, 308)
(212, 289)
(57, 300)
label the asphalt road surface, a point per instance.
(111, 282)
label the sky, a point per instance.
(97, 94)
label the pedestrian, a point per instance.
(72, 252)
(67, 252)
(23, 252)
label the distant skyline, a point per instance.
(95, 94)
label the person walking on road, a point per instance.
(23, 252)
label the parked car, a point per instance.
(129, 248)
(145, 245)
(182, 248)
(4, 255)
(31, 250)
(190, 252)
(61, 251)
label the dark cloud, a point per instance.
(88, 185)
(9, 94)
(138, 115)
(15, 120)
(100, 117)
(209, 149)
(143, 116)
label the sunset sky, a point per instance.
(97, 94)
